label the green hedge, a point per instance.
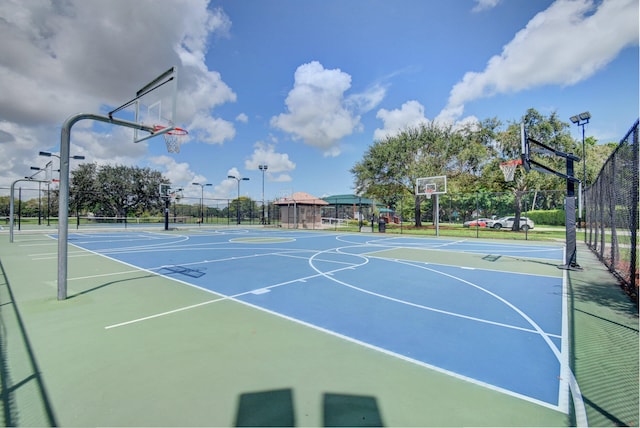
(547, 217)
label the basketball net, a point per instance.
(174, 138)
(509, 168)
(428, 193)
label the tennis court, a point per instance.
(298, 318)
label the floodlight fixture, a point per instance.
(202, 186)
(581, 120)
(263, 168)
(49, 154)
(238, 180)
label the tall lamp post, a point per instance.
(202, 186)
(263, 168)
(238, 179)
(31, 177)
(48, 155)
(581, 120)
(176, 198)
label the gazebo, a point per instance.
(301, 210)
(349, 207)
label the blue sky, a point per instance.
(304, 86)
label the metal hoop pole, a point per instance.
(63, 203)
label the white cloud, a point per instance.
(281, 178)
(368, 100)
(482, 5)
(243, 118)
(210, 130)
(565, 44)
(317, 110)
(61, 58)
(178, 173)
(278, 164)
(411, 114)
(228, 188)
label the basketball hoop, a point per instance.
(509, 168)
(428, 193)
(173, 138)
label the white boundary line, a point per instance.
(563, 358)
(578, 402)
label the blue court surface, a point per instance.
(500, 328)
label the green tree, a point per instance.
(5, 205)
(116, 190)
(597, 155)
(548, 130)
(389, 168)
(83, 190)
(248, 208)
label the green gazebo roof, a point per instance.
(347, 200)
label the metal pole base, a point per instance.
(575, 267)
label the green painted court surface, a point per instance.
(222, 363)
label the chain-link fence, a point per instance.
(32, 202)
(544, 208)
(612, 212)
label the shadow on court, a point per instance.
(107, 284)
(19, 372)
(275, 408)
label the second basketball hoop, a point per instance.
(509, 168)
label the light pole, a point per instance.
(263, 168)
(48, 155)
(202, 186)
(581, 120)
(176, 199)
(238, 179)
(38, 171)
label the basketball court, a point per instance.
(482, 318)
(384, 293)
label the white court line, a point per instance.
(576, 394)
(562, 357)
(234, 297)
(581, 417)
(125, 272)
(506, 250)
(43, 244)
(429, 308)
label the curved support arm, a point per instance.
(11, 203)
(63, 208)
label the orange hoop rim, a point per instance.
(509, 168)
(511, 162)
(174, 131)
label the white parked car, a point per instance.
(507, 223)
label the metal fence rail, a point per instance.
(612, 212)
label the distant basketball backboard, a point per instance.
(164, 190)
(431, 185)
